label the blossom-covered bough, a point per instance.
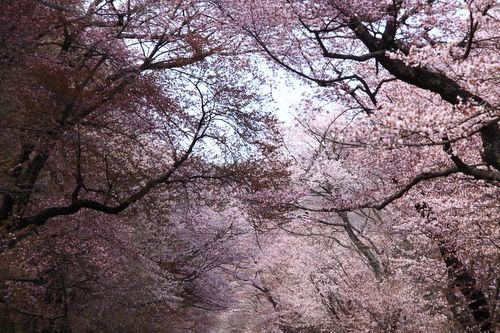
(439, 47)
(414, 130)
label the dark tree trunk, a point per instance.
(462, 280)
(22, 178)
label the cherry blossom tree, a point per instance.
(111, 108)
(400, 269)
(89, 65)
(144, 185)
(413, 130)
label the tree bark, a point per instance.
(373, 261)
(461, 279)
(23, 176)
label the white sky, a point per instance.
(287, 93)
(287, 98)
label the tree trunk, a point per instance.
(23, 178)
(462, 280)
